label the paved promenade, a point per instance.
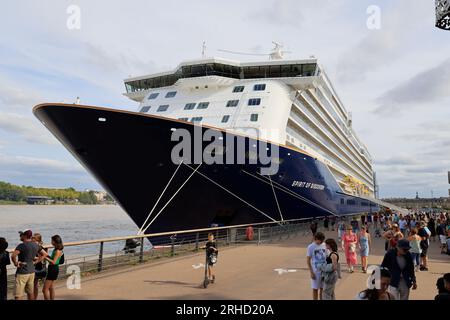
(243, 272)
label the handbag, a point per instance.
(352, 247)
(330, 277)
(213, 258)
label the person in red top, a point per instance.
(349, 241)
(249, 233)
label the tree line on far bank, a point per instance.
(14, 193)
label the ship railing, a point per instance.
(107, 253)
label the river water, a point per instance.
(71, 222)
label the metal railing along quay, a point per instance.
(169, 244)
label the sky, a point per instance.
(394, 79)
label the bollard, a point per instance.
(196, 241)
(100, 258)
(259, 236)
(228, 239)
(141, 251)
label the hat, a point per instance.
(395, 225)
(27, 233)
(403, 244)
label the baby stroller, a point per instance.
(377, 233)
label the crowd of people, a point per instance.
(34, 265)
(407, 238)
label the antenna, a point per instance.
(204, 49)
(275, 54)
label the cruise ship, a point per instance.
(288, 108)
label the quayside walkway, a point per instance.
(265, 271)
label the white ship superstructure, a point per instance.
(291, 97)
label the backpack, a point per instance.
(62, 259)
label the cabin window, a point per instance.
(145, 109)
(203, 105)
(254, 117)
(153, 96)
(197, 119)
(254, 102)
(183, 119)
(259, 87)
(351, 202)
(342, 201)
(232, 103)
(238, 89)
(171, 94)
(163, 108)
(225, 118)
(189, 106)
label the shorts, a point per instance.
(424, 252)
(24, 283)
(443, 239)
(318, 283)
(52, 272)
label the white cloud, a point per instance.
(26, 127)
(18, 97)
(432, 85)
(380, 48)
(38, 165)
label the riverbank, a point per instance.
(22, 203)
(12, 203)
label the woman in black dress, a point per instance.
(4, 261)
(53, 268)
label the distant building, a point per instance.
(39, 200)
(100, 195)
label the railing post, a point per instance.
(270, 232)
(100, 258)
(172, 246)
(228, 239)
(141, 251)
(259, 236)
(196, 241)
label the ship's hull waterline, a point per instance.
(129, 154)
